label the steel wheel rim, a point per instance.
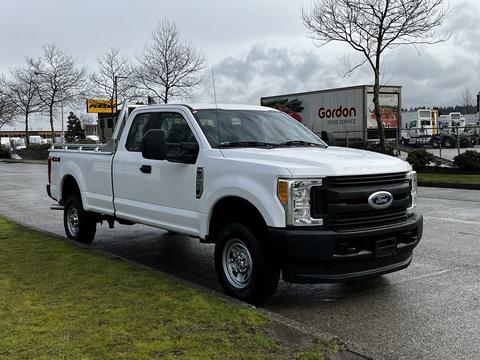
(72, 220)
(237, 263)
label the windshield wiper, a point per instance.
(246, 144)
(300, 143)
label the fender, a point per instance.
(264, 199)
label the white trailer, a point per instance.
(348, 112)
(430, 129)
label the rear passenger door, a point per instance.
(156, 192)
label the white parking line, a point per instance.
(13, 185)
(451, 220)
(435, 273)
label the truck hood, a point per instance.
(311, 162)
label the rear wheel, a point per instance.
(244, 269)
(80, 225)
(449, 142)
(435, 142)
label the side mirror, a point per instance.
(328, 138)
(184, 152)
(154, 146)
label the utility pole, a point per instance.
(115, 91)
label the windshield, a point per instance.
(252, 128)
(424, 113)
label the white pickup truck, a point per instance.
(271, 195)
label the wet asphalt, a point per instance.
(430, 310)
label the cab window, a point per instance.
(173, 124)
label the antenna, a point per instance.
(214, 90)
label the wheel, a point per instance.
(449, 142)
(80, 225)
(244, 270)
(435, 142)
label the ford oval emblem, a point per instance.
(380, 200)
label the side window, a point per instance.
(176, 128)
(140, 125)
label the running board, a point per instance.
(56, 207)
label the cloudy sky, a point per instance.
(256, 48)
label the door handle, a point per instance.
(147, 169)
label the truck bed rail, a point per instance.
(79, 147)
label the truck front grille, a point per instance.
(343, 201)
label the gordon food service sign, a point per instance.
(101, 106)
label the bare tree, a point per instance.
(7, 107)
(23, 93)
(169, 67)
(468, 98)
(58, 79)
(373, 26)
(114, 78)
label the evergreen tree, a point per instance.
(74, 131)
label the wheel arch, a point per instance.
(69, 186)
(234, 208)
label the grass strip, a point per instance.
(58, 301)
(449, 178)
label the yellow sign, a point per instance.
(101, 106)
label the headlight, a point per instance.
(295, 198)
(412, 177)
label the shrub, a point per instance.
(35, 152)
(377, 148)
(4, 154)
(420, 158)
(469, 160)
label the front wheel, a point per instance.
(80, 225)
(244, 269)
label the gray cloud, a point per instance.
(266, 70)
(463, 23)
(426, 78)
(429, 80)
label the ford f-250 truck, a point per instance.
(272, 196)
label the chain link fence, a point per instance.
(445, 142)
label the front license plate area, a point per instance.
(385, 247)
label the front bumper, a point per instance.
(312, 256)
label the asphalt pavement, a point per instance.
(430, 310)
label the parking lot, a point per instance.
(431, 310)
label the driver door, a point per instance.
(156, 192)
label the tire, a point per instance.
(244, 270)
(435, 142)
(80, 225)
(448, 142)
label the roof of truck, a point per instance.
(204, 106)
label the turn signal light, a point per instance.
(282, 192)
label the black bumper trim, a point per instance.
(365, 274)
(318, 255)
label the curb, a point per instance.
(281, 320)
(21, 161)
(449, 185)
